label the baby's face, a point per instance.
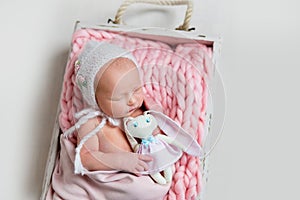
(119, 90)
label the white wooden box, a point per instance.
(171, 37)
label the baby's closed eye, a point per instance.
(117, 98)
(138, 89)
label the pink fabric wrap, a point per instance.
(175, 80)
(99, 185)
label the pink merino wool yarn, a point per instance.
(173, 78)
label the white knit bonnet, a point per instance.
(93, 57)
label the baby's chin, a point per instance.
(129, 113)
(122, 115)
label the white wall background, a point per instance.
(257, 156)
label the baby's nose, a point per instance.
(132, 99)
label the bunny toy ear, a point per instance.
(177, 133)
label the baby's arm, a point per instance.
(123, 161)
(93, 159)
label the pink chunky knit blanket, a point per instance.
(174, 78)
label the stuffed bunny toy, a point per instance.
(164, 149)
(143, 127)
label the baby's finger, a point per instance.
(143, 165)
(139, 168)
(137, 174)
(145, 158)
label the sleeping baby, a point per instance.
(109, 80)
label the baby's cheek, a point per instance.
(105, 107)
(118, 108)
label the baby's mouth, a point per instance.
(132, 109)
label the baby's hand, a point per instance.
(132, 162)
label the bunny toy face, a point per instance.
(141, 126)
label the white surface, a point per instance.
(257, 156)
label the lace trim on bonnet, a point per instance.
(93, 57)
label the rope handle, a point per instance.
(187, 18)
